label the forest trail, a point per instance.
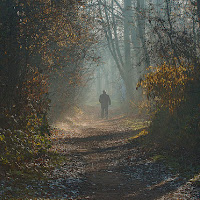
(113, 169)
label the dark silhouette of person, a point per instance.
(104, 99)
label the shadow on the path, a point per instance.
(137, 182)
(100, 135)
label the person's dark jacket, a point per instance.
(104, 99)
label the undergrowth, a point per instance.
(173, 136)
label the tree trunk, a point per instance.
(141, 31)
(198, 12)
(128, 79)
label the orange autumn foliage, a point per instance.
(167, 83)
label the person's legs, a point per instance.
(102, 112)
(106, 112)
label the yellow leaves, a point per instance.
(2, 137)
(167, 82)
(70, 82)
(4, 160)
(36, 85)
(29, 123)
(25, 21)
(47, 11)
(142, 133)
(18, 158)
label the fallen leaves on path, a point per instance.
(101, 164)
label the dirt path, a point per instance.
(113, 168)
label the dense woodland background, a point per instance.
(51, 49)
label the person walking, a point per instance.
(105, 101)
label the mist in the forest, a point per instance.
(104, 77)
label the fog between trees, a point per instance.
(137, 34)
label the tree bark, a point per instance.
(198, 12)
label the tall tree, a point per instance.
(117, 19)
